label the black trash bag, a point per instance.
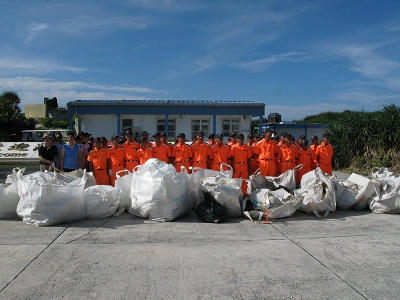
(210, 210)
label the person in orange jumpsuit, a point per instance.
(267, 151)
(104, 143)
(145, 152)
(130, 147)
(115, 159)
(211, 142)
(257, 138)
(314, 146)
(254, 160)
(145, 135)
(160, 150)
(97, 162)
(324, 155)
(220, 153)
(278, 158)
(288, 155)
(240, 159)
(298, 144)
(305, 158)
(200, 151)
(182, 154)
(283, 140)
(163, 139)
(232, 140)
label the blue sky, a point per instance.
(298, 57)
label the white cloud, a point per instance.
(32, 90)
(34, 29)
(364, 97)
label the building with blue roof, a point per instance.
(109, 117)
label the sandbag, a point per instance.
(9, 195)
(318, 193)
(46, 200)
(210, 210)
(124, 183)
(387, 198)
(158, 192)
(101, 201)
(345, 194)
(227, 192)
(286, 179)
(193, 181)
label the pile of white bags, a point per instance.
(286, 179)
(158, 192)
(124, 184)
(101, 201)
(226, 191)
(318, 193)
(46, 200)
(9, 195)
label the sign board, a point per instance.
(28, 151)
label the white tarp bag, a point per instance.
(227, 192)
(46, 200)
(9, 195)
(280, 203)
(193, 181)
(387, 199)
(318, 193)
(124, 183)
(286, 179)
(77, 174)
(346, 193)
(158, 192)
(101, 201)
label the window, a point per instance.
(230, 125)
(127, 124)
(201, 125)
(171, 127)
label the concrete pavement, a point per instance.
(348, 255)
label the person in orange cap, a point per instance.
(97, 163)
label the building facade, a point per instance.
(109, 117)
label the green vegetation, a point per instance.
(55, 124)
(12, 121)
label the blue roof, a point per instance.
(162, 107)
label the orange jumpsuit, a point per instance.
(220, 155)
(117, 157)
(132, 160)
(182, 154)
(145, 155)
(306, 159)
(200, 155)
(210, 160)
(288, 157)
(162, 152)
(241, 155)
(315, 161)
(267, 152)
(254, 160)
(325, 157)
(99, 161)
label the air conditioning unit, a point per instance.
(274, 118)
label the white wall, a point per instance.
(99, 125)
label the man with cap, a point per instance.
(48, 154)
(201, 152)
(305, 158)
(71, 154)
(130, 147)
(276, 139)
(314, 146)
(145, 152)
(211, 141)
(160, 150)
(182, 154)
(283, 140)
(115, 159)
(104, 142)
(232, 138)
(267, 151)
(219, 153)
(257, 138)
(288, 155)
(163, 139)
(298, 144)
(324, 155)
(240, 159)
(253, 160)
(97, 163)
(59, 143)
(145, 135)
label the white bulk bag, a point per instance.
(77, 174)
(193, 181)
(124, 183)
(46, 200)
(346, 193)
(158, 192)
(101, 201)
(286, 179)
(9, 195)
(227, 192)
(318, 192)
(387, 198)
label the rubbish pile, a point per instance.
(156, 191)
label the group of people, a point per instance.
(271, 156)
